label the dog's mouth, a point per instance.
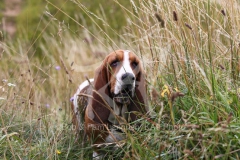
(125, 95)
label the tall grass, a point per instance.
(187, 47)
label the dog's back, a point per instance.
(79, 104)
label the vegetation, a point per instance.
(187, 47)
(71, 12)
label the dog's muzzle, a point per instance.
(125, 94)
(127, 89)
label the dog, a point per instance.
(112, 98)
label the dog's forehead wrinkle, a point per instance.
(126, 62)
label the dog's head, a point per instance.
(119, 79)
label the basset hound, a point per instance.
(110, 99)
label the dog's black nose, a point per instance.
(128, 78)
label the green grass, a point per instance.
(186, 46)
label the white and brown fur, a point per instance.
(108, 104)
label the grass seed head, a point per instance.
(160, 19)
(175, 17)
(188, 26)
(223, 12)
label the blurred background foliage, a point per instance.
(34, 14)
(77, 17)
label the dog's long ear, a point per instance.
(101, 94)
(139, 101)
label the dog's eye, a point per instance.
(134, 64)
(114, 63)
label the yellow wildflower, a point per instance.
(176, 89)
(165, 90)
(58, 151)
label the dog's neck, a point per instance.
(119, 115)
